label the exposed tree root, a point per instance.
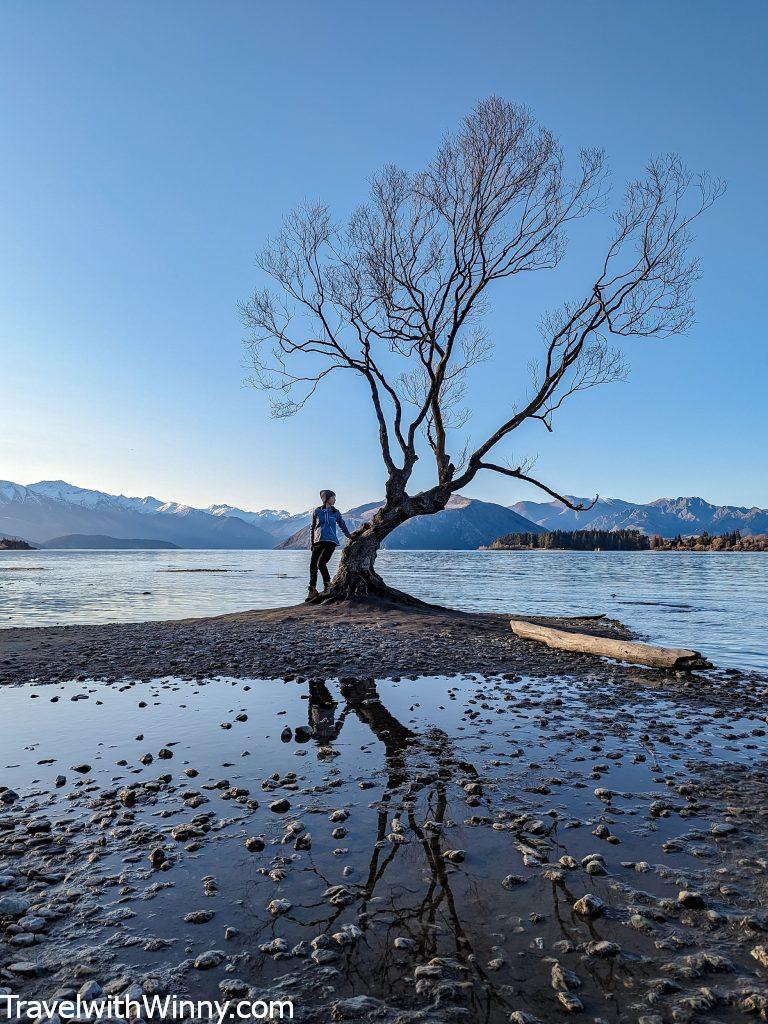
(365, 586)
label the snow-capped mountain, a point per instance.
(53, 508)
(277, 522)
(553, 515)
(666, 516)
(60, 490)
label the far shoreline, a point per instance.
(390, 551)
(630, 551)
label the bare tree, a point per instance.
(397, 297)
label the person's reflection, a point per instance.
(322, 712)
(362, 698)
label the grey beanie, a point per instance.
(325, 495)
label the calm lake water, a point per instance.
(715, 602)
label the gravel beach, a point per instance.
(375, 639)
(378, 639)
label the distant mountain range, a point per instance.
(666, 516)
(53, 510)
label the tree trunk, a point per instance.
(356, 578)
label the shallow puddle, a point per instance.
(457, 818)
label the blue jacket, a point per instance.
(324, 522)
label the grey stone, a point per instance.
(211, 958)
(13, 906)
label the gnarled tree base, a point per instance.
(364, 585)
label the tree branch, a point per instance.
(397, 295)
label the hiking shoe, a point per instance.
(311, 594)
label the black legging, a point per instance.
(321, 556)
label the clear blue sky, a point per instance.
(149, 149)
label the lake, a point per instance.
(715, 602)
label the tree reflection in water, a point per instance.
(426, 915)
(399, 884)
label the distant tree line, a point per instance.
(732, 541)
(577, 540)
(628, 540)
(14, 544)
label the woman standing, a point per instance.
(324, 539)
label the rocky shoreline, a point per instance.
(375, 639)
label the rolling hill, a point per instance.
(98, 542)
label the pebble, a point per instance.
(348, 935)
(603, 948)
(13, 906)
(274, 947)
(278, 907)
(199, 916)
(210, 959)
(689, 899)
(90, 990)
(589, 906)
(454, 856)
(570, 1002)
(512, 881)
(23, 967)
(157, 857)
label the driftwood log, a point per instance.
(673, 658)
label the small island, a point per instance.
(626, 540)
(14, 544)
